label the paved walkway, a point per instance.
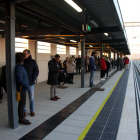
(73, 126)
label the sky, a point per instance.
(130, 10)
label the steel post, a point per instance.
(10, 64)
(82, 40)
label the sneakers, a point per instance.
(102, 79)
(92, 85)
(32, 113)
(54, 99)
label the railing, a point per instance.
(136, 74)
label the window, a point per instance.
(112, 55)
(61, 49)
(79, 52)
(43, 47)
(72, 50)
(21, 44)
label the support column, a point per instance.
(117, 55)
(101, 54)
(82, 40)
(110, 59)
(36, 57)
(114, 56)
(10, 64)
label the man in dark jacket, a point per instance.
(120, 63)
(32, 70)
(53, 76)
(78, 64)
(92, 67)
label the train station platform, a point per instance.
(106, 112)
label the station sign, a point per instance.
(86, 28)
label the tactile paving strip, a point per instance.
(107, 123)
(49, 125)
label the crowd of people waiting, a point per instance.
(27, 70)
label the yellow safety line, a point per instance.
(85, 131)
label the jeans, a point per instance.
(31, 97)
(53, 91)
(127, 66)
(21, 105)
(92, 72)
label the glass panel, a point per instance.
(19, 49)
(43, 47)
(72, 50)
(21, 44)
(21, 40)
(61, 49)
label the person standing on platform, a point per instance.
(22, 85)
(108, 67)
(53, 76)
(120, 63)
(126, 63)
(71, 69)
(78, 64)
(32, 70)
(88, 64)
(92, 68)
(103, 67)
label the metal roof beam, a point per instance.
(116, 46)
(104, 30)
(37, 32)
(87, 11)
(7, 1)
(43, 13)
(114, 40)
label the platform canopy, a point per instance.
(56, 21)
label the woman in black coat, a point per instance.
(108, 67)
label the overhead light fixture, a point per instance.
(106, 34)
(2, 21)
(94, 23)
(74, 5)
(90, 46)
(61, 37)
(73, 41)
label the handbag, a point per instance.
(19, 94)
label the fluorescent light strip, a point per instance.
(94, 23)
(73, 41)
(74, 5)
(106, 34)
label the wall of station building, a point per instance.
(42, 59)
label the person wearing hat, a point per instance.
(53, 76)
(92, 68)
